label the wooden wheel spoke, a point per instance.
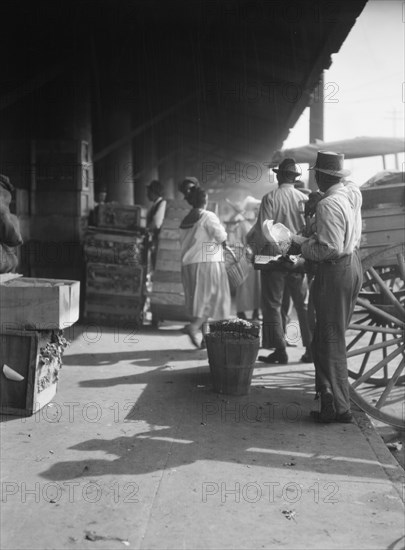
(367, 355)
(384, 354)
(390, 385)
(369, 284)
(355, 340)
(378, 366)
(387, 292)
(379, 376)
(380, 313)
(380, 345)
(372, 328)
(362, 320)
(401, 265)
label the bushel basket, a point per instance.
(232, 348)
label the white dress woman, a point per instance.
(205, 281)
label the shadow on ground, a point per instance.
(178, 420)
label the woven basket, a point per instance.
(237, 270)
(232, 348)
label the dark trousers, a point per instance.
(273, 285)
(335, 289)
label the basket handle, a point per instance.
(231, 252)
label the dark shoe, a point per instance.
(241, 315)
(344, 418)
(307, 357)
(279, 357)
(328, 411)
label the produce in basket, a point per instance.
(234, 329)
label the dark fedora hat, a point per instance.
(188, 183)
(330, 163)
(156, 186)
(288, 165)
(192, 179)
(6, 183)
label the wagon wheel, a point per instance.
(375, 337)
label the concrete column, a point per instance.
(145, 164)
(316, 123)
(167, 175)
(117, 168)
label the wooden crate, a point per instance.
(21, 351)
(120, 216)
(63, 165)
(118, 280)
(381, 229)
(39, 303)
(113, 247)
(62, 229)
(167, 298)
(113, 310)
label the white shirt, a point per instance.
(203, 241)
(159, 215)
(337, 224)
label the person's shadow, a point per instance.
(179, 420)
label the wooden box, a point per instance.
(25, 353)
(120, 216)
(110, 309)
(111, 247)
(117, 280)
(381, 228)
(39, 303)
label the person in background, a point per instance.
(190, 182)
(333, 252)
(286, 305)
(10, 235)
(155, 216)
(300, 185)
(204, 277)
(283, 205)
(248, 293)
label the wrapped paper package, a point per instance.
(278, 235)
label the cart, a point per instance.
(375, 337)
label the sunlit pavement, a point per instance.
(137, 451)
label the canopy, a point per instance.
(358, 147)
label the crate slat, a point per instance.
(20, 350)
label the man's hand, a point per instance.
(310, 205)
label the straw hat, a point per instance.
(330, 163)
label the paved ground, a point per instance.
(137, 451)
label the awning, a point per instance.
(359, 147)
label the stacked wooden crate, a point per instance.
(115, 255)
(62, 196)
(167, 297)
(378, 203)
(34, 313)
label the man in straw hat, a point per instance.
(332, 251)
(283, 205)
